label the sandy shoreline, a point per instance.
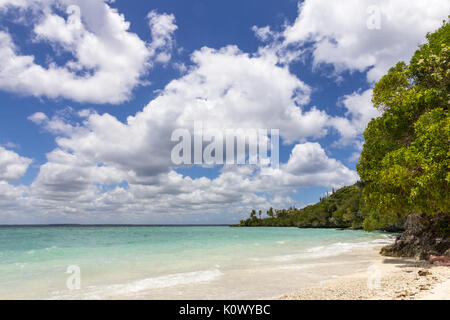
(387, 279)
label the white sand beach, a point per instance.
(400, 279)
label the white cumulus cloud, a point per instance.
(108, 61)
(12, 166)
(343, 33)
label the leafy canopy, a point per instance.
(404, 165)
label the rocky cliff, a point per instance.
(423, 236)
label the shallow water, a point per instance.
(203, 262)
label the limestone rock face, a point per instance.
(423, 236)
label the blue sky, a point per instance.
(71, 78)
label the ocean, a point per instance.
(175, 262)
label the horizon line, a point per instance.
(111, 225)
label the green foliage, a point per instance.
(342, 209)
(444, 229)
(270, 213)
(405, 161)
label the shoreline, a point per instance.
(389, 278)
(294, 264)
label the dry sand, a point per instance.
(387, 279)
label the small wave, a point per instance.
(140, 286)
(337, 248)
(166, 281)
(334, 249)
(293, 267)
(383, 241)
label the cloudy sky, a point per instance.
(91, 90)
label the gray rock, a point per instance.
(447, 253)
(422, 237)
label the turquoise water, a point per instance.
(133, 262)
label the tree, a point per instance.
(404, 165)
(281, 213)
(260, 214)
(270, 212)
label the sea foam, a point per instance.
(333, 249)
(142, 285)
(165, 281)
